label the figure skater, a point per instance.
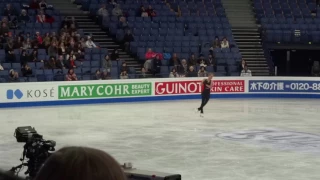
(205, 94)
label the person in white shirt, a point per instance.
(90, 43)
(224, 43)
(103, 11)
(245, 72)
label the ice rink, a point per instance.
(258, 139)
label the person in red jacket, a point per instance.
(150, 55)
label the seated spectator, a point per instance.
(43, 5)
(124, 75)
(105, 74)
(144, 12)
(24, 57)
(245, 72)
(173, 73)
(117, 11)
(71, 76)
(144, 73)
(192, 72)
(26, 70)
(18, 43)
(41, 17)
(53, 50)
(192, 60)
(4, 31)
(74, 22)
(124, 67)
(150, 55)
(202, 72)
(114, 55)
(216, 43)
(13, 76)
(90, 43)
(51, 64)
(151, 12)
(83, 42)
(61, 63)
(24, 17)
(38, 40)
(157, 65)
(123, 23)
(139, 11)
(128, 37)
(46, 41)
(62, 49)
(202, 61)
(315, 69)
(10, 57)
(106, 62)
(33, 57)
(103, 11)
(73, 30)
(224, 43)
(76, 163)
(27, 44)
(174, 60)
(65, 22)
(34, 4)
(183, 69)
(64, 30)
(71, 60)
(9, 11)
(242, 64)
(212, 62)
(79, 50)
(97, 75)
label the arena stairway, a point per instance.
(246, 34)
(89, 27)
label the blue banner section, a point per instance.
(284, 86)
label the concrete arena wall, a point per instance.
(134, 90)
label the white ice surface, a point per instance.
(169, 137)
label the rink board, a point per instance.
(135, 90)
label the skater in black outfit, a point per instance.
(205, 94)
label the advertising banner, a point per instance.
(192, 87)
(284, 86)
(104, 90)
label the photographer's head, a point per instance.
(80, 163)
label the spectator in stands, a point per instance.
(34, 4)
(90, 43)
(73, 21)
(51, 64)
(27, 44)
(192, 72)
(105, 74)
(114, 55)
(202, 61)
(150, 55)
(61, 62)
(97, 75)
(156, 65)
(24, 58)
(4, 31)
(173, 73)
(224, 43)
(103, 11)
(62, 49)
(128, 37)
(26, 70)
(24, 17)
(192, 60)
(202, 72)
(124, 75)
(123, 23)
(216, 43)
(315, 69)
(83, 42)
(81, 163)
(33, 57)
(39, 40)
(116, 11)
(46, 41)
(18, 43)
(124, 67)
(79, 50)
(139, 11)
(144, 12)
(43, 5)
(174, 60)
(41, 17)
(10, 57)
(53, 50)
(13, 76)
(65, 22)
(183, 69)
(9, 11)
(71, 60)
(71, 76)
(151, 12)
(106, 62)
(245, 72)
(242, 64)
(212, 62)
(144, 73)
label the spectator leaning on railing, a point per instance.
(245, 72)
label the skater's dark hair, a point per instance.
(81, 163)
